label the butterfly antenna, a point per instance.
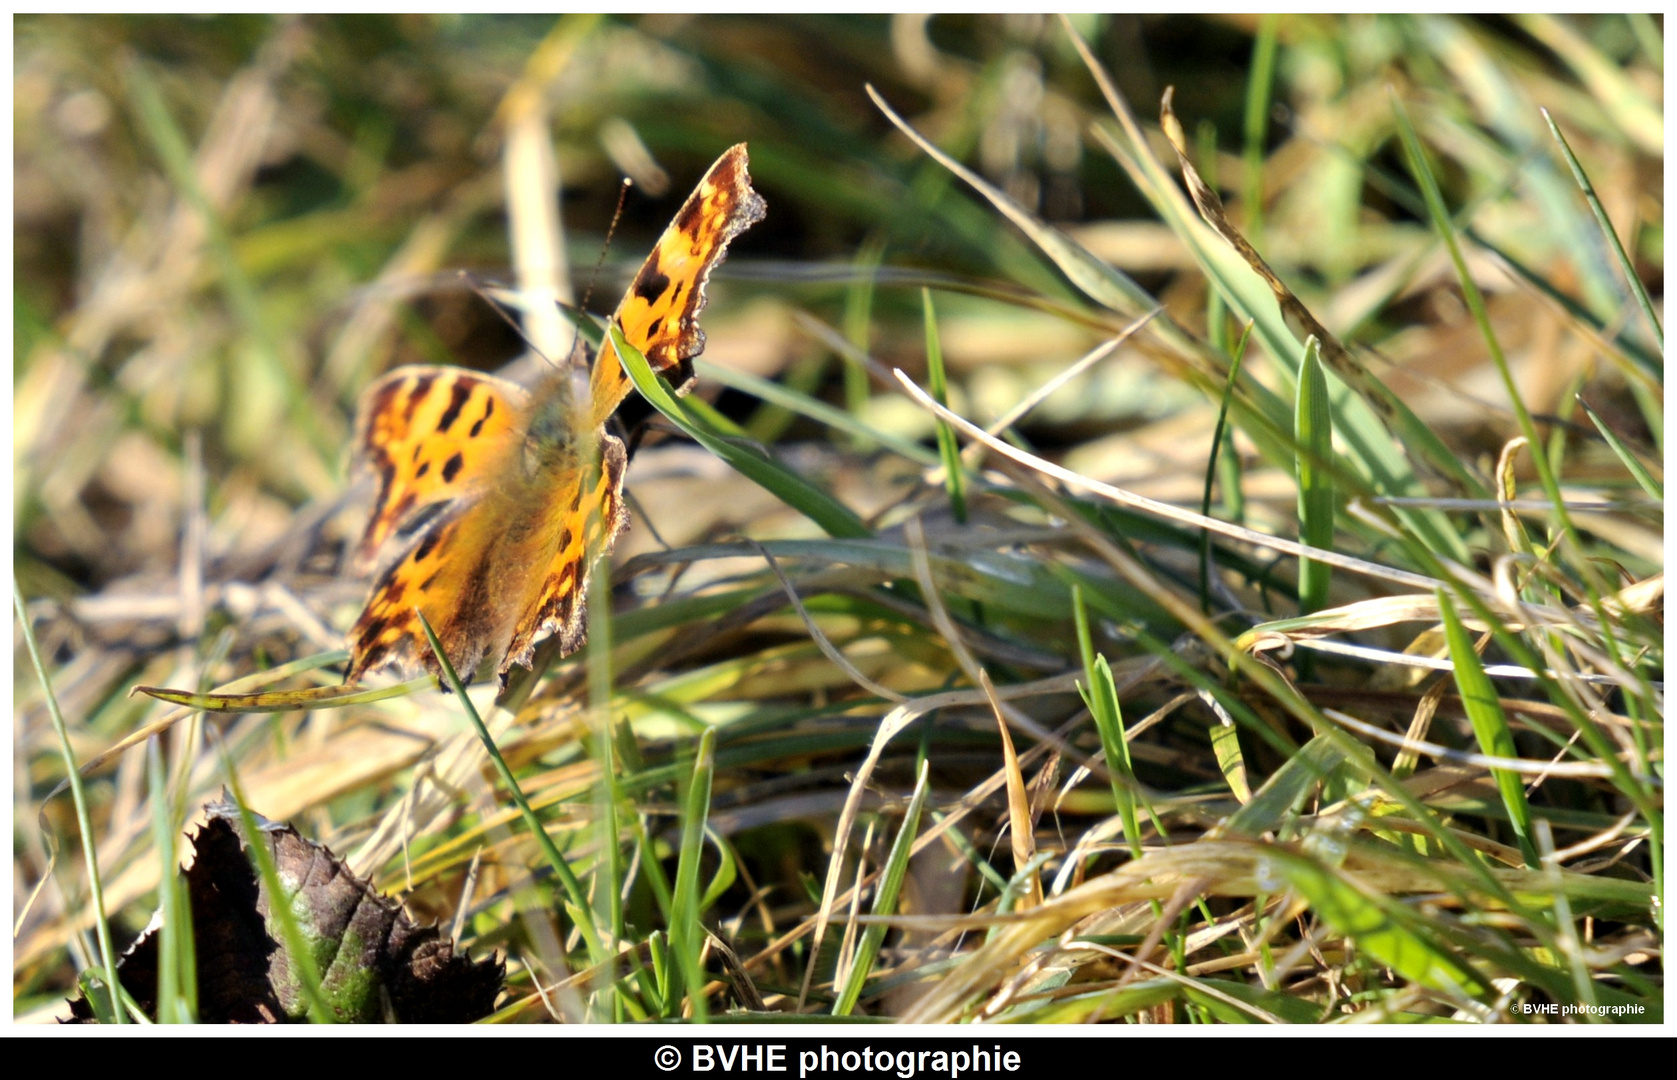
(611, 230)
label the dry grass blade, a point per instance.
(1163, 510)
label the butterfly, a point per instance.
(493, 500)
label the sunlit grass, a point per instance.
(1409, 772)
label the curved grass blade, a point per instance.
(582, 913)
(687, 933)
(84, 820)
(885, 897)
(1490, 725)
(314, 697)
(747, 457)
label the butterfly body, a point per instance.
(494, 501)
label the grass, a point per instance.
(902, 704)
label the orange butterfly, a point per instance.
(493, 500)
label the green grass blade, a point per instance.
(171, 148)
(1632, 279)
(885, 896)
(1285, 788)
(1260, 83)
(1644, 479)
(177, 984)
(1231, 492)
(750, 459)
(1428, 183)
(687, 932)
(304, 964)
(793, 402)
(1313, 418)
(948, 448)
(582, 912)
(1101, 695)
(858, 323)
(84, 820)
(1382, 928)
(1490, 726)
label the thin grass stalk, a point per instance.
(84, 819)
(948, 449)
(885, 896)
(687, 936)
(1313, 419)
(582, 912)
(177, 984)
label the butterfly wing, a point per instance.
(660, 312)
(659, 315)
(434, 439)
(429, 436)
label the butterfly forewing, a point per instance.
(660, 312)
(428, 434)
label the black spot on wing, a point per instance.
(651, 282)
(458, 394)
(692, 215)
(421, 388)
(422, 470)
(426, 546)
(488, 411)
(451, 468)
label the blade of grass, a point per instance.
(1644, 479)
(1102, 698)
(169, 143)
(1425, 180)
(749, 459)
(885, 896)
(773, 393)
(582, 912)
(1260, 82)
(84, 820)
(304, 964)
(1313, 418)
(858, 324)
(177, 983)
(948, 449)
(1231, 494)
(1626, 267)
(1490, 725)
(687, 935)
